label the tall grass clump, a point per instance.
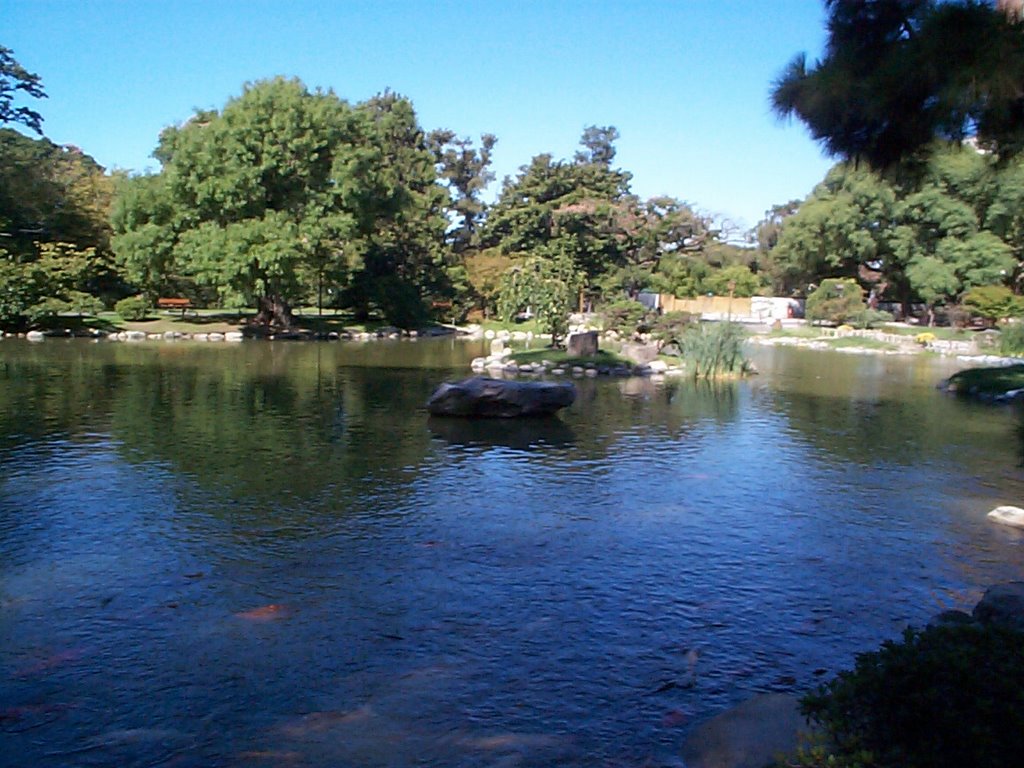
(714, 350)
(1011, 340)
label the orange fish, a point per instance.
(674, 718)
(265, 613)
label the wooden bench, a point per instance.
(174, 303)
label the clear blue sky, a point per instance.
(685, 82)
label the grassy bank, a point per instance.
(988, 382)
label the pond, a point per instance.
(268, 554)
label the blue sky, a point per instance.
(685, 82)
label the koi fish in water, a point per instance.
(265, 613)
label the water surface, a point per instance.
(268, 554)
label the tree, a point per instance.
(54, 210)
(843, 228)
(546, 284)
(16, 80)
(467, 171)
(898, 74)
(402, 260)
(582, 209)
(836, 301)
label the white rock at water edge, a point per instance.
(1012, 516)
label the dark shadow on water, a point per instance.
(521, 434)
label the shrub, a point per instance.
(924, 339)
(836, 301)
(133, 307)
(870, 318)
(1011, 340)
(948, 696)
(669, 328)
(625, 317)
(993, 302)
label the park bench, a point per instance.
(174, 303)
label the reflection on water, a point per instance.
(522, 434)
(270, 555)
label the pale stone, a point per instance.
(239, 336)
(216, 336)
(488, 334)
(497, 346)
(1007, 515)
(658, 366)
(640, 354)
(35, 336)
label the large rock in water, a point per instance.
(1002, 604)
(751, 735)
(481, 397)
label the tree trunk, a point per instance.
(274, 312)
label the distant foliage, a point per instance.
(625, 317)
(133, 307)
(942, 697)
(836, 301)
(668, 329)
(993, 302)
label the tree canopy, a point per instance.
(287, 191)
(15, 81)
(897, 74)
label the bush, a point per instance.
(133, 307)
(1011, 340)
(836, 301)
(870, 318)
(625, 317)
(948, 696)
(993, 302)
(669, 328)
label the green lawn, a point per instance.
(860, 342)
(561, 357)
(944, 333)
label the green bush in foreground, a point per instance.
(133, 308)
(944, 697)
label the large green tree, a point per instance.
(54, 230)
(285, 193)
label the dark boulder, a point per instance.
(481, 397)
(1002, 604)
